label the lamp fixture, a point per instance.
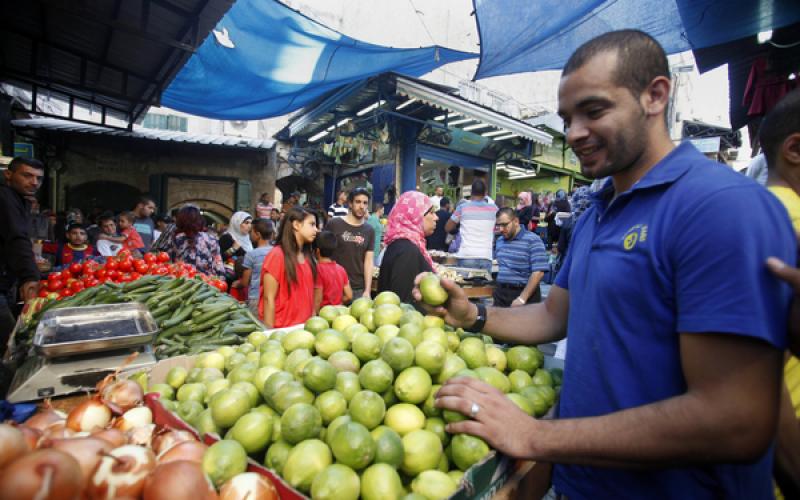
(407, 103)
(463, 120)
(318, 136)
(476, 126)
(503, 138)
(442, 117)
(372, 106)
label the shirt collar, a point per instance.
(668, 170)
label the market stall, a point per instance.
(269, 402)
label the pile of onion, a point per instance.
(50, 474)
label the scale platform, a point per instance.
(74, 348)
(39, 377)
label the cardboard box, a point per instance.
(481, 481)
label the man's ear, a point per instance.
(790, 149)
(656, 96)
(7, 175)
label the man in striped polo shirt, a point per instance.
(522, 260)
(476, 218)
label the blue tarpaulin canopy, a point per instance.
(518, 36)
(265, 59)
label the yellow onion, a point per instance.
(133, 418)
(192, 451)
(115, 437)
(45, 417)
(90, 415)
(12, 444)
(86, 450)
(121, 473)
(179, 480)
(123, 395)
(248, 486)
(167, 438)
(50, 474)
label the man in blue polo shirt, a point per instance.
(672, 377)
(522, 261)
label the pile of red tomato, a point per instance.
(120, 269)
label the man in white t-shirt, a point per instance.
(436, 198)
(477, 219)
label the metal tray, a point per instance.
(80, 330)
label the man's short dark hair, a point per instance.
(357, 192)
(19, 161)
(510, 212)
(144, 200)
(105, 216)
(327, 243)
(780, 123)
(75, 225)
(264, 227)
(640, 58)
(444, 202)
(478, 188)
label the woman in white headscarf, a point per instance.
(236, 240)
(233, 245)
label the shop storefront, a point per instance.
(393, 134)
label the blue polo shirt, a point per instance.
(681, 251)
(519, 257)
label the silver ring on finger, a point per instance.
(474, 409)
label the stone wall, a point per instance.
(203, 174)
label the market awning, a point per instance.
(518, 36)
(66, 126)
(268, 60)
(406, 98)
(115, 57)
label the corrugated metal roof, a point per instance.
(346, 101)
(65, 126)
(120, 54)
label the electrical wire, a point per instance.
(422, 22)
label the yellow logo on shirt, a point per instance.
(634, 235)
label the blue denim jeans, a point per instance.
(476, 264)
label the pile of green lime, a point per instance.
(344, 408)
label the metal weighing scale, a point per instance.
(76, 347)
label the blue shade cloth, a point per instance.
(277, 61)
(518, 36)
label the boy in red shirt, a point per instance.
(75, 250)
(335, 285)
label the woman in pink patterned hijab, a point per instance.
(411, 220)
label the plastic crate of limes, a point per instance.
(344, 407)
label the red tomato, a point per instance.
(112, 265)
(135, 276)
(141, 266)
(67, 292)
(89, 267)
(65, 274)
(76, 286)
(43, 293)
(126, 265)
(101, 274)
(124, 254)
(90, 282)
(163, 257)
(160, 270)
(125, 278)
(76, 268)
(114, 275)
(56, 276)
(55, 285)
(220, 285)
(150, 258)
